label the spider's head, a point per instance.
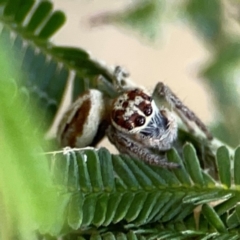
(136, 112)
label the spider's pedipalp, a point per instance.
(135, 149)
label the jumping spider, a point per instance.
(132, 121)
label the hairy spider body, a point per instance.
(81, 122)
(135, 113)
(132, 122)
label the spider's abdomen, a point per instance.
(80, 124)
(136, 112)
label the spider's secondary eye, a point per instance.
(139, 121)
(128, 125)
(117, 115)
(138, 92)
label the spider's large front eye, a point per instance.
(140, 120)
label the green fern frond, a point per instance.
(108, 190)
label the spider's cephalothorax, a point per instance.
(135, 113)
(132, 122)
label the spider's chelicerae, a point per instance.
(132, 121)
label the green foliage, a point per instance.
(89, 193)
(116, 192)
(206, 17)
(44, 64)
(26, 200)
(141, 16)
(144, 16)
(211, 20)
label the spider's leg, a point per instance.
(183, 111)
(121, 80)
(128, 146)
(120, 73)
